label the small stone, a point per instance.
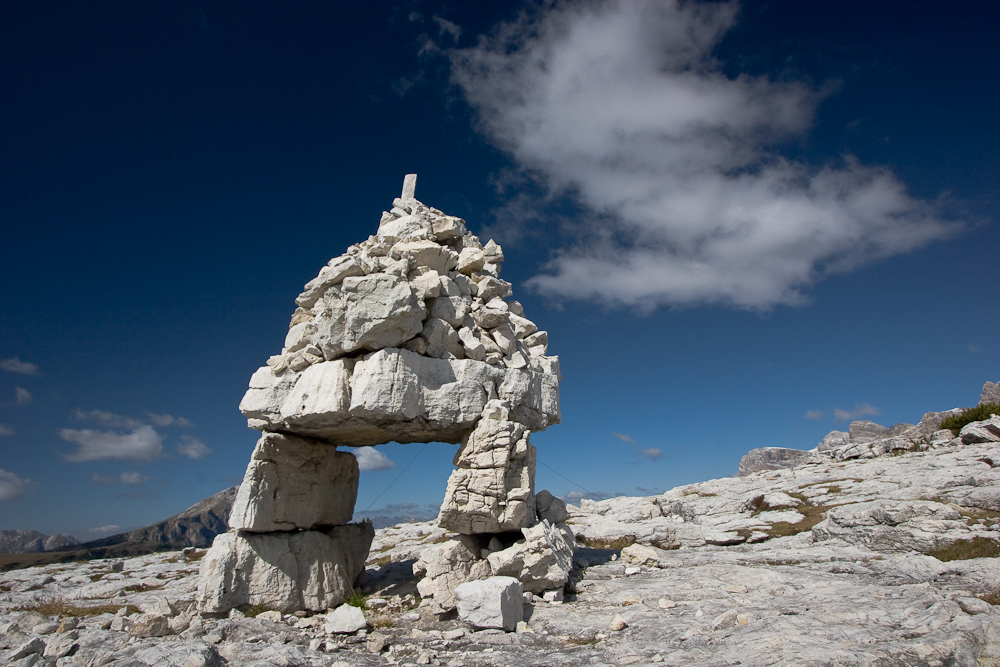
(345, 619)
(452, 635)
(272, 616)
(656, 658)
(376, 642)
(151, 626)
(737, 588)
(212, 638)
(629, 571)
(522, 628)
(618, 623)
(974, 605)
(664, 603)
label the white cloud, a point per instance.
(6, 430)
(168, 420)
(104, 530)
(134, 478)
(623, 437)
(580, 495)
(814, 414)
(370, 458)
(858, 411)
(107, 419)
(446, 26)
(22, 396)
(651, 453)
(12, 486)
(193, 448)
(143, 444)
(622, 106)
(15, 365)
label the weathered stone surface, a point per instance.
(345, 619)
(991, 393)
(491, 603)
(491, 490)
(772, 458)
(987, 430)
(443, 566)
(293, 482)
(541, 560)
(309, 569)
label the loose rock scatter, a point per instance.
(409, 336)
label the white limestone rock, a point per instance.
(541, 560)
(444, 566)
(491, 603)
(987, 430)
(333, 274)
(491, 490)
(295, 483)
(345, 619)
(285, 571)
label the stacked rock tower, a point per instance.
(407, 337)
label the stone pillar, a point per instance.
(290, 546)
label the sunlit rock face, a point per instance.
(409, 336)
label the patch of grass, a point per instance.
(142, 588)
(993, 597)
(382, 621)
(666, 546)
(954, 423)
(356, 599)
(832, 481)
(381, 561)
(62, 608)
(589, 640)
(707, 495)
(834, 489)
(977, 547)
(617, 543)
(252, 611)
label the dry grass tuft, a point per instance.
(53, 608)
(977, 547)
(617, 543)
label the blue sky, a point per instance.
(742, 226)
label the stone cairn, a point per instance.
(407, 337)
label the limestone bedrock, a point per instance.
(409, 336)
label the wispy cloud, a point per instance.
(22, 396)
(651, 453)
(677, 165)
(142, 445)
(447, 27)
(371, 458)
(193, 448)
(12, 486)
(168, 420)
(814, 414)
(107, 419)
(857, 412)
(15, 365)
(6, 430)
(622, 437)
(104, 530)
(133, 478)
(576, 496)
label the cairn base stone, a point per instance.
(294, 482)
(310, 569)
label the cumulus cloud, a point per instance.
(22, 396)
(15, 365)
(168, 420)
(133, 478)
(12, 486)
(370, 458)
(814, 414)
(107, 419)
(6, 430)
(143, 444)
(676, 164)
(193, 448)
(651, 453)
(623, 437)
(857, 412)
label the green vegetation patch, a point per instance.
(977, 547)
(356, 599)
(617, 543)
(954, 423)
(62, 608)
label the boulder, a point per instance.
(991, 393)
(987, 430)
(444, 566)
(345, 619)
(772, 458)
(496, 603)
(549, 508)
(541, 560)
(285, 571)
(295, 483)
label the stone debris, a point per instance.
(861, 576)
(495, 602)
(409, 336)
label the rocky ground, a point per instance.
(889, 560)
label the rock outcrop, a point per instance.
(32, 541)
(409, 336)
(771, 458)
